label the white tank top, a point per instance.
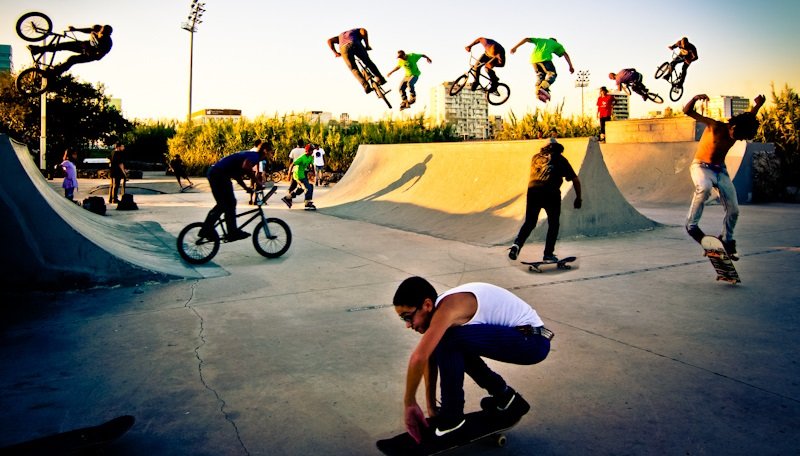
(496, 306)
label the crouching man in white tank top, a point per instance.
(458, 328)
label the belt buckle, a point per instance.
(546, 333)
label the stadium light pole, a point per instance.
(196, 10)
(582, 82)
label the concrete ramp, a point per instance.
(658, 172)
(475, 191)
(54, 244)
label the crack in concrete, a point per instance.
(200, 362)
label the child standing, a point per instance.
(70, 174)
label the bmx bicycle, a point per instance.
(366, 73)
(32, 27)
(669, 72)
(639, 88)
(271, 237)
(495, 97)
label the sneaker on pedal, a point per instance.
(513, 252)
(310, 206)
(237, 235)
(550, 258)
(287, 201)
(206, 233)
(404, 105)
(730, 248)
(412, 100)
(367, 89)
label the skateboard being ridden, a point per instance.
(560, 264)
(459, 328)
(486, 424)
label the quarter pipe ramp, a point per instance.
(54, 244)
(475, 191)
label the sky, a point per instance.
(268, 57)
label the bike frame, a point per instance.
(475, 67)
(43, 61)
(257, 213)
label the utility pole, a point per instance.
(196, 10)
(582, 82)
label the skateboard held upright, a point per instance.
(722, 263)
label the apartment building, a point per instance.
(467, 111)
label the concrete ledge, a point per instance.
(671, 129)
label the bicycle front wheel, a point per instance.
(194, 248)
(34, 26)
(458, 84)
(499, 95)
(380, 92)
(676, 93)
(663, 70)
(31, 82)
(654, 97)
(277, 242)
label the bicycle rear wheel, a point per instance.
(499, 95)
(458, 84)
(277, 242)
(31, 82)
(676, 93)
(194, 248)
(663, 70)
(34, 26)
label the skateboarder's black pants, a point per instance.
(460, 351)
(550, 201)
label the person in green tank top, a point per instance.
(542, 60)
(409, 63)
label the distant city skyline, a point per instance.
(273, 58)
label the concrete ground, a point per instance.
(304, 355)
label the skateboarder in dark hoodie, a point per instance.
(548, 169)
(459, 328)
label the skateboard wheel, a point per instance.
(501, 440)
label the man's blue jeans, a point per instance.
(460, 352)
(705, 177)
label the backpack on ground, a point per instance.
(95, 204)
(126, 203)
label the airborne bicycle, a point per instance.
(366, 73)
(32, 27)
(639, 88)
(271, 237)
(670, 73)
(496, 96)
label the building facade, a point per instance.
(5, 58)
(724, 107)
(621, 110)
(467, 111)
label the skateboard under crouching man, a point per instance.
(486, 425)
(722, 263)
(560, 264)
(89, 440)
